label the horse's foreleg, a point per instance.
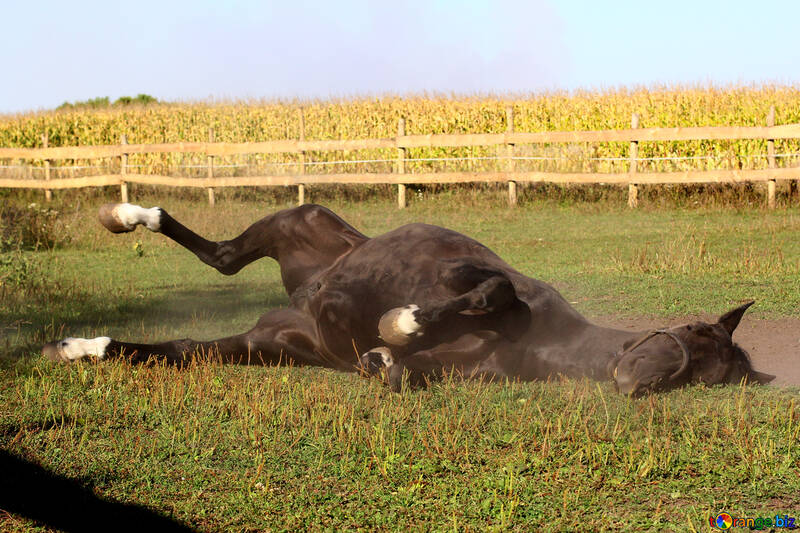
(479, 353)
(415, 370)
(279, 337)
(480, 291)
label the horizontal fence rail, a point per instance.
(401, 176)
(644, 178)
(464, 140)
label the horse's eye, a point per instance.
(688, 328)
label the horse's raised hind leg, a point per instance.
(279, 337)
(304, 240)
(228, 257)
(479, 291)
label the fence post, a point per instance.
(210, 171)
(123, 170)
(301, 169)
(771, 160)
(401, 164)
(48, 194)
(510, 163)
(633, 188)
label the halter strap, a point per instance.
(650, 335)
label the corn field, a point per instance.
(378, 118)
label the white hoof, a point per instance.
(375, 359)
(121, 218)
(72, 349)
(399, 326)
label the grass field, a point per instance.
(224, 448)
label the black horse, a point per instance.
(415, 303)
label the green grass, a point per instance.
(229, 448)
(253, 448)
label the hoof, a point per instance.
(122, 218)
(111, 221)
(50, 351)
(72, 349)
(375, 360)
(399, 326)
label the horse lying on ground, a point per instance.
(415, 303)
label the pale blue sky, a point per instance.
(192, 50)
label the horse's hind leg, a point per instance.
(478, 291)
(280, 336)
(304, 240)
(228, 257)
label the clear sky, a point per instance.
(56, 51)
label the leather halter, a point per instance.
(648, 336)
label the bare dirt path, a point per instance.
(774, 345)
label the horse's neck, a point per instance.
(598, 345)
(582, 350)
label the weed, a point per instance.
(19, 271)
(31, 228)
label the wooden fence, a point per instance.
(401, 143)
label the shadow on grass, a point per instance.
(227, 305)
(30, 491)
(181, 306)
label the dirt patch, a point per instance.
(773, 345)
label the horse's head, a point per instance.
(665, 359)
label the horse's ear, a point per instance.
(731, 319)
(760, 377)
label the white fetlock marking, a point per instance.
(74, 349)
(406, 323)
(130, 215)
